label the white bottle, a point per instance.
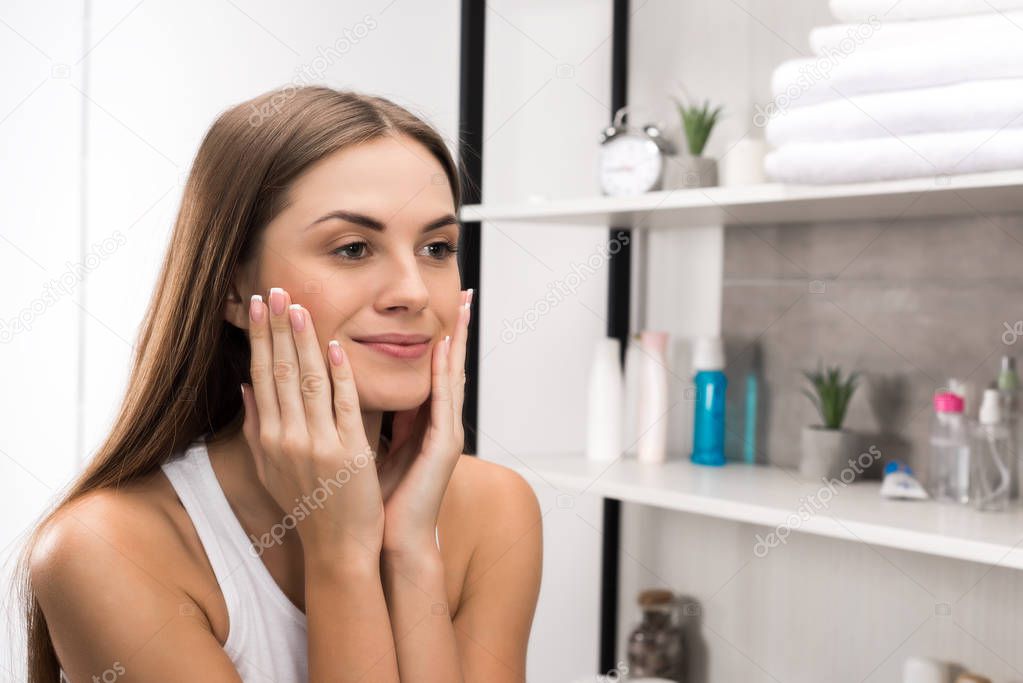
(606, 396)
(653, 399)
(633, 382)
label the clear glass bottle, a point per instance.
(656, 648)
(991, 457)
(949, 467)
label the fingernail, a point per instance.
(276, 300)
(334, 351)
(297, 317)
(468, 299)
(256, 308)
(447, 343)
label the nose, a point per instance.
(404, 289)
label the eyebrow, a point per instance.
(374, 224)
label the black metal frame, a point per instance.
(619, 281)
(470, 158)
(470, 151)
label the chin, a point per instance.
(394, 396)
(384, 384)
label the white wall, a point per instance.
(547, 94)
(92, 159)
(41, 259)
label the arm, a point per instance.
(502, 583)
(349, 631)
(486, 642)
(110, 606)
(418, 605)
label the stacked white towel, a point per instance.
(932, 88)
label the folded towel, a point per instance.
(857, 11)
(933, 33)
(801, 82)
(891, 158)
(972, 105)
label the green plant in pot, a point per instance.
(693, 169)
(827, 448)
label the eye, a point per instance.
(346, 252)
(444, 249)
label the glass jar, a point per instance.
(656, 648)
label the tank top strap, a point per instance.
(193, 480)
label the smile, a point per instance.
(398, 350)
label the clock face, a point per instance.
(629, 165)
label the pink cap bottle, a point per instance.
(947, 402)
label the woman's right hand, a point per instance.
(304, 428)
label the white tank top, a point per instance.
(266, 637)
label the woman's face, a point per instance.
(365, 245)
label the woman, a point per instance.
(320, 522)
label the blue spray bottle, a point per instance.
(709, 416)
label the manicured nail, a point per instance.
(334, 351)
(256, 308)
(447, 343)
(468, 299)
(297, 317)
(276, 300)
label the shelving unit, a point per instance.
(996, 192)
(770, 496)
(758, 495)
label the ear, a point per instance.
(236, 306)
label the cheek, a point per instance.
(328, 318)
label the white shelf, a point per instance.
(995, 192)
(769, 496)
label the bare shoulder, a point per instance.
(131, 524)
(502, 509)
(494, 488)
(126, 541)
(110, 572)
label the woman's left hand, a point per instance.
(426, 444)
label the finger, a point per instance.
(457, 356)
(440, 394)
(314, 381)
(347, 413)
(285, 364)
(261, 366)
(250, 429)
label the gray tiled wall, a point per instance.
(908, 303)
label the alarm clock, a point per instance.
(632, 160)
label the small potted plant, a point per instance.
(827, 448)
(693, 169)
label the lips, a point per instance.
(394, 338)
(397, 345)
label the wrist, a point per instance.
(417, 557)
(341, 560)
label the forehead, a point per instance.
(389, 177)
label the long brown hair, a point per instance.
(189, 361)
